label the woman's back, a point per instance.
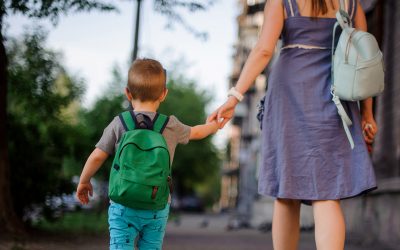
(305, 8)
(303, 28)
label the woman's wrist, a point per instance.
(233, 92)
(366, 108)
(232, 100)
(365, 113)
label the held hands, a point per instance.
(224, 113)
(213, 125)
(83, 191)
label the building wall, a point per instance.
(377, 215)
(243, 153)
(374, 219)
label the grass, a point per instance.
(76, 222)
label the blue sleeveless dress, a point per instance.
(305, 151)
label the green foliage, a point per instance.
(37, 77)
(53, 8)
(94, 121)
(38, 139)
(80, 222)
(171, 10)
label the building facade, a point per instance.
(377, 214)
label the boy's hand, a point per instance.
(213, 123)
(214, 126)
(83, 191)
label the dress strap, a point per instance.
(291, 8)
(352, 8)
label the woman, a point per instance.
(306, 155)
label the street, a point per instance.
(190, 232)
(202, 232)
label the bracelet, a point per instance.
(233, 92)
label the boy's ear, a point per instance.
(128, 94)
(164, 95)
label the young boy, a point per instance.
(146, 90)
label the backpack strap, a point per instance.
(344, 21)
(160, 122)
(127, 120)
(344, 117)
(348, 6)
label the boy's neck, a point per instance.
(139, 106)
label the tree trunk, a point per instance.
(9, 222)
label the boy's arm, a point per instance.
(201, 131)
(93, 163)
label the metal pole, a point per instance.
(137, 26)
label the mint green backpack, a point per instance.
(140, 174)
(357, 66)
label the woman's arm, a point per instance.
(258, 59)
(262, 52)
(368, 122)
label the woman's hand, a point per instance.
(369, 128)
(224, 113)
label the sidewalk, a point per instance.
(194, 232)
(207, 232)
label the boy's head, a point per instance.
(147, 80)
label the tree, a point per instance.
(39, 134)
(51, 9)
(39, 9)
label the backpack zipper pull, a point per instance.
(153, 194)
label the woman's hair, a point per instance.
(319, 7)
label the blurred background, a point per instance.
(63, 68)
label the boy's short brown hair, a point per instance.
(146, 80)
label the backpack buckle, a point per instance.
(143, 121)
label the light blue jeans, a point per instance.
(127, 224)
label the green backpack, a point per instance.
(140, 174)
